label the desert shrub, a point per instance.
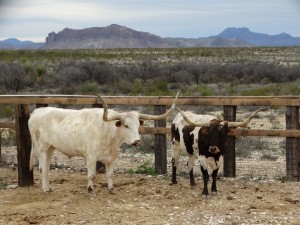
(181, 76)
(8, 137)
(147, 144)
(260, 91)
(112, 67)
(245, 146)
(40, 70)
(198, 90)
(269, 156)
(205, 90)
(138, 87)
(68, 89)
(145, 167)
(3, 185)
(157, 87)
(13, 76)
(293, 88)
(7, 111)
(88, 87)
(68, 79)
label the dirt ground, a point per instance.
(142, 199)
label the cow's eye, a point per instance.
(126, 126)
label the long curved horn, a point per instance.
(246, 121)
(105, 113)
(196, 124)
(163, 116)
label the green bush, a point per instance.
(3, 185)
(145, 168)
(261, 91)
(40, 70)
(7, 111)
(88, 87)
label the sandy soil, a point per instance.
(142, 199)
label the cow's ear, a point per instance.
(205, 130)
(141, 122)
(118, 123)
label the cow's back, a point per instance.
(44, 114)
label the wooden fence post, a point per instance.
(292, 144)
(229, 165)
(0, 145)
(160, 142)
(25, 176)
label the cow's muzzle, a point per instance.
(137, 143)
(213, 149)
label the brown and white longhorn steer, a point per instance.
(204, 135)
(95, 134)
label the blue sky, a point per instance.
(34, 19)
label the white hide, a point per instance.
(210, 162)
(80, 133)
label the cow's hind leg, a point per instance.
(91, 169)
(190, 165)
(44, 166)
(176, 150)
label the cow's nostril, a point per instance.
(137, 143)
(213, 149)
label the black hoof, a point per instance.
(90, 189)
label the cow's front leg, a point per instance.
(91, 168)
(190, 166)
(109, 173)
(214, 181)
(205, 180)
(44, 166)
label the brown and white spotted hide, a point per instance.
(207, 142)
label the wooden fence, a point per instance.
(229, 103)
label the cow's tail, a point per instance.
(31, 156)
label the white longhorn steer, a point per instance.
(95, 134)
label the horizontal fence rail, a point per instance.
(232, 132)
(150, 100)
(164, 100)
(229, 103)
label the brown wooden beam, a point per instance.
(232, 131)
(266, 133)
(8, 125)
(152, 100)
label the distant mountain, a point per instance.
(116, 36)
(13, 43)
(113, 36)
(259, 39)
(207, 42)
